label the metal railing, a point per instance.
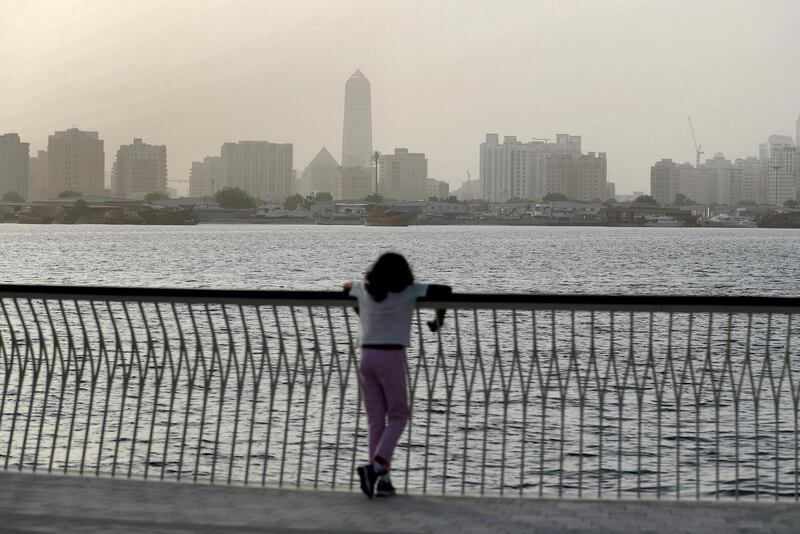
(585, 396)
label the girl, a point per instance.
(386, 299)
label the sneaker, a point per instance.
(368, 477)
(384, 488)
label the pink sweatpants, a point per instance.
(382, 376)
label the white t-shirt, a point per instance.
(387, 322)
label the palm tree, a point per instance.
(376, 158)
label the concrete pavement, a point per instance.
(71, 504)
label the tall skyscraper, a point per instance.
(263, 169)
(76, 162)
(206, 177)
(797, 132)
(14, 156)
(404, 175)
(139, 169)
(357, 136)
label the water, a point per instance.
(570, 443)
(470, 258)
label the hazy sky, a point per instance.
(193, 74)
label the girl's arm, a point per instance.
(347, 286)
(436, 291)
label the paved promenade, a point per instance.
(45, 503)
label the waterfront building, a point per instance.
(75, 162)
(14, 160)
(354, 183)
(205, 177)
(357, 131)
(37, 176)
(783, 171)
(665, 176)
(139, 169)
(403, 175)
(438, 189)
(262, 169)
(320, 175)
(750, 177)
(774, 142)
(529, 170)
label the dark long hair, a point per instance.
(390, 273)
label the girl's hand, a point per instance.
(435, 325)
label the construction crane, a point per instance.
(697, 148)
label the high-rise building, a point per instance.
(783, 173)
(205, 178)
(404, 175)
(76, 162)
(774, 142)
(665, 180)
(139, 169)
(797, 132)
(749, 180)
(438, 188)
(14, 157)
(37, 176)
(262, 169)
(357, 135)
(320, 175)
(530, 170)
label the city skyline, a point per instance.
(613, 72)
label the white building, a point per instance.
(262, 169)
(75, 162)
(403, 175)
(783, 171)
(438, 188)
(530, 170)
(139, 169)
(14, 158)
(750, 180)
(205, 177)
(774, 142)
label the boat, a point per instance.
(727, 221)
(662, 221)
(383, 217)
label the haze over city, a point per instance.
(192, 75)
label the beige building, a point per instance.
(37, 176)
(139, 169)
(783, 175)
(438, 189)
(263, 169)
(579, 177)
(205, 178)
(76, 161)
(403, 175)
(14, 158)
(531, 170)
(355, 183)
